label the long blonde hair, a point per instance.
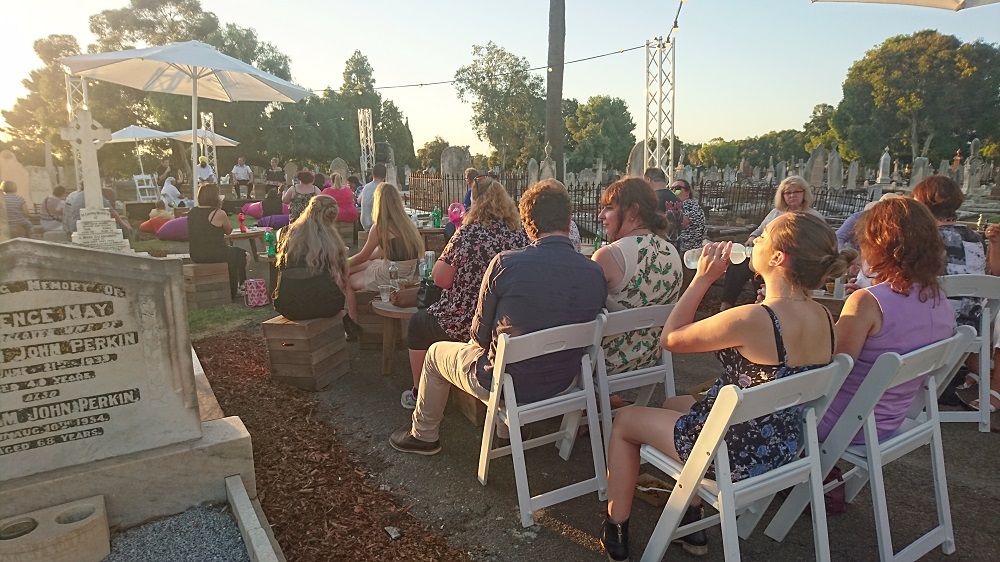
(313, 240)
(490, 202)
(391, 221)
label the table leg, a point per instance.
(253, 246)
(389, 328)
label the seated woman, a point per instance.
(693, 223)
(298, 195)
(271, 205)
(52, 209)
(491, 226)
(392, 238)
(312, 264)
(172, 196)
(345, 199)
(4, 233)
(158, 216)
(18, 224)
(904, 310)
(641, 268)
(786, 334)
(207, 226)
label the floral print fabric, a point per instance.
(470, 251)
(760, 444)
(693, 234)
(966, 253)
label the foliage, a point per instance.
(151, 22)
(819, 128)
(507, 105)
(430, 154)
(927, 92)
(395, 128)
(719, 152)
(601, 128)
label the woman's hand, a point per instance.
(714, 260)
(993, 233)
(851, 286)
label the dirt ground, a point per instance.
(330, 483)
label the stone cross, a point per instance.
(86, 136)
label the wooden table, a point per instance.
(393, 317)
(429, 232)
(251, 235)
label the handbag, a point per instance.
(255, 292)
(427, 293)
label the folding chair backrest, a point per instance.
(561, 338)
(622, 321)
(986, 287)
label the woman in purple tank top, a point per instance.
(904, 310)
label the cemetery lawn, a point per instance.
(320, 499)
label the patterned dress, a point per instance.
(692, 234)
(298, 204)
(653, 275)
(966, 253)
(758, 445)
(469, 251)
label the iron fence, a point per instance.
(747, 202)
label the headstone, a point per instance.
(599, 172)
(815, 166)
(339, 166)
(713, 174)
(920, 170)
(571, 178)
(852, 174)
(547, 169)
(781, 171)
(897, 176)
(636, 167)
(454, 161)
(587, 177)
(11, 169)
(884, 165)
(944, 168)
(835, 168)
(290, 169)
(755, 174)
(973, 168)
(407, 172)
(800, 168)
(728, 175)
(96, 362)
(391, 176)
(688, 175)
(532, 171)
(770, 168)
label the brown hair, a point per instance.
(208, 195)
(545, 207)
(900, 241)
(812, 247)
(471, 174)
(635, 192)
(305, 176)
(941, 194)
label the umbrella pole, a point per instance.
(194, 131)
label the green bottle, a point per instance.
(598, 241)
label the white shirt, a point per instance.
(205, 173)
(241, 172)
(170, 194)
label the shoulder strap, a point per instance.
(779, 344)
(833, 333)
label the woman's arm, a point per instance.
(221, 219)
(860, 318)
(366, 253)
(613, 272)
(444, 274)
(287, 196)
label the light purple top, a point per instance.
(907, 324)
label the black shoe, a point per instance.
(614, 539)
(351, 328)
(697, 542)
(403, 441)
(949, 398)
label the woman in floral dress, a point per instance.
(491, 226)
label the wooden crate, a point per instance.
(206, 284)
(471, 407)
(371, 323)
(346, 231)
(308, 354)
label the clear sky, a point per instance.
(743, 67)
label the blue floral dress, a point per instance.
(758, 445)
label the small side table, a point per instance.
(392, 319)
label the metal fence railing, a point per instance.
(747, 202)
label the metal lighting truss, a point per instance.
(660, 82)
(367, 142)
(207, 143)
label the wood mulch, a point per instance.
(317, 495)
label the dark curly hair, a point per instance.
(900, 241)
(941, 194)
(635, 192)
(545, 207)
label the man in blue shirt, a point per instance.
(368, 196)
(541, 286)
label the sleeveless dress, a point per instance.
(758, 445)
(207, 244)
(298, 204)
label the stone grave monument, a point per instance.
(636, 166)
(547, 169)
(532, 171)
(920, 170)
(815, 166)
(852, 174)
(98, 392)
(973, 169)
(339, 166)
(11, 169)
(835, 168)
(454, 161)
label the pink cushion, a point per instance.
(273, 221)
(153, 225)
(175, 230)
(253, 210)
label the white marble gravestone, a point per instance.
(94, 357)
(339, 166)
(547, 169)
(884, 165)
(835, 168)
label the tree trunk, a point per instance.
(554, 123)
(927, 145)
(914, 141)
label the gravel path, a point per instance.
(200, 534)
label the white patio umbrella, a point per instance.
(135, 133)
(190, 68)
(185, 136)
(954, 5)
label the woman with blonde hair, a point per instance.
(392, 238)
(344, 196)
(491, 226)
(311, 264)
(787, 333)
(793, 194)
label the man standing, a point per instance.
(204, 172)
(541, 286)
(368, 195)
(163, 171)
(242, 176)
(658, 181)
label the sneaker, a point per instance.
(614, 539)
(352, 329)
(408, 400)
(403, 441)
(239, 294)
(697, 542)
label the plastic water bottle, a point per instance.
(393, 275)
(739, 254)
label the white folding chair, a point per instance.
(988, 288)
(734, 406)
(145, 188)
(571, 405)
(921, 427)
(646, 378)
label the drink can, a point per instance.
(429, 259)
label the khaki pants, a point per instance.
(447, 364)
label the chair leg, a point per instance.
(728, 526)
(570, 427)
(596, 447)
(520, 473)
(487, 444)
(788, 513)
(985, 356)
(855, 483)
(821, 534)
(664, 530)
(879, 507)
(941, 489)
(747, 521)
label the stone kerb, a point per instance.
(95, 357)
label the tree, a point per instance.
(430, 154)
(601, 128)
(719, 152)
(920, 91)
(153, 22)
(507, 106)
(818, 130)
(554, 122)
(395, 128)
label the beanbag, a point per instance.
(153, 225)
(252, 210)
(175, 230)
(273, 221)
